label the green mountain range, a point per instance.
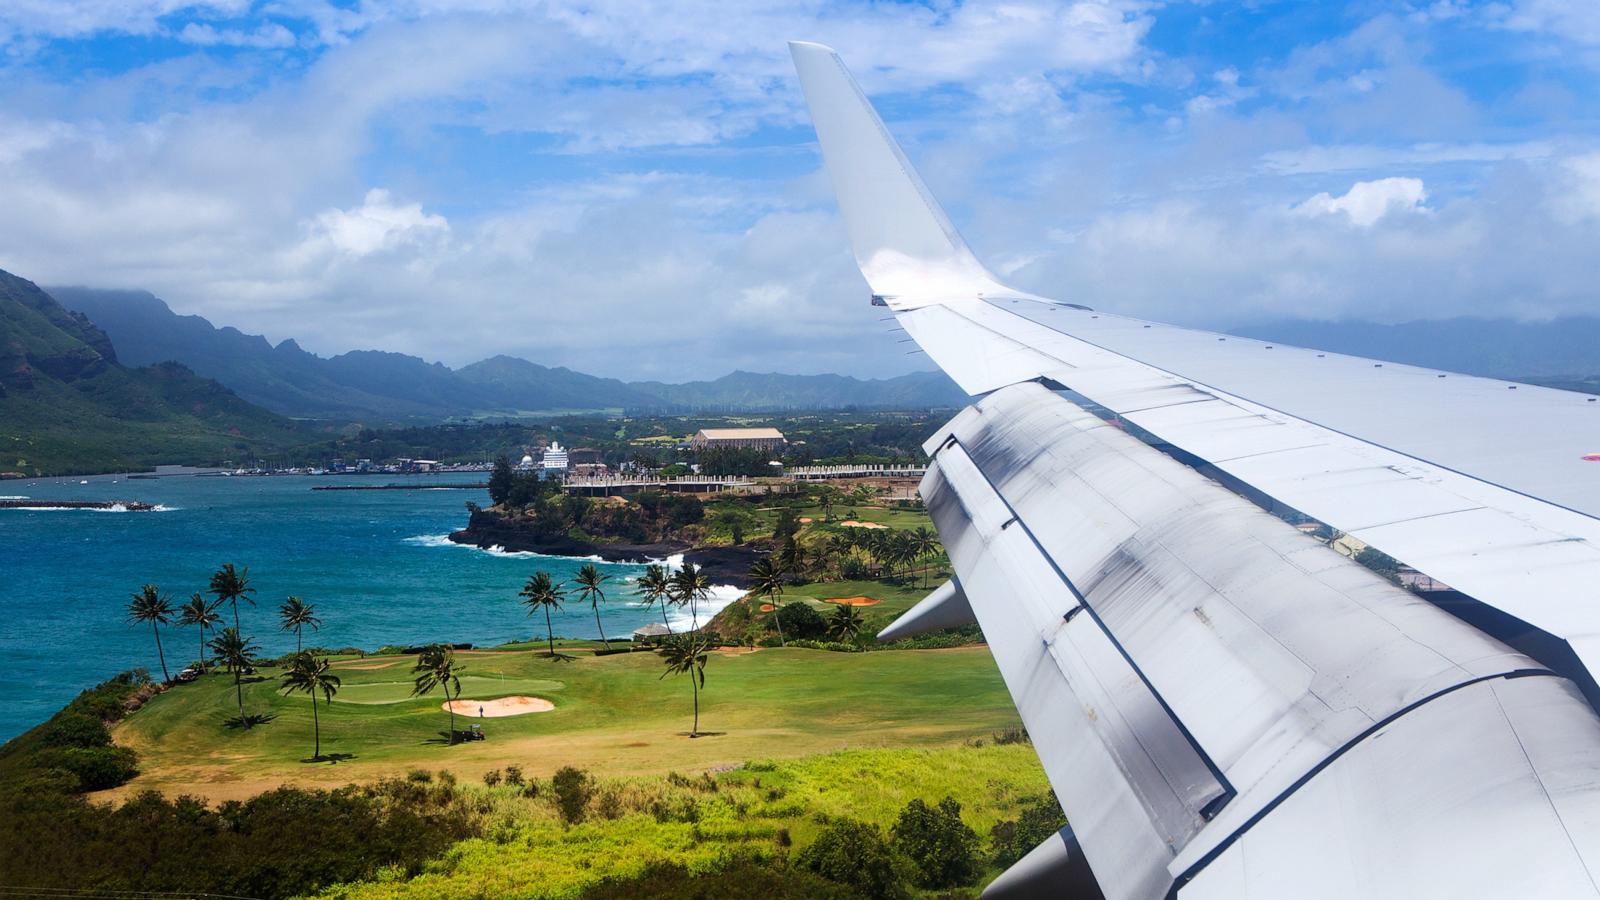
(370, 385)
(68, 405)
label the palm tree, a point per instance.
(199, 611)
(840, 546)
(686, 655)
(150, 605)
(656, 588)
(827, 496)
(793, 556)
(589, 581)
(541, 593)
(231, 586)
(845, 623)
(690, 585)
(237, 653)
(926, 545)
(437, 667)
(296, 614)
(311, 674)
(766, 581)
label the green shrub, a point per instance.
(834, 646)
(742, 879)
(1011, 839)
(74, 729)
(96, 768)
(801, 622)
(938, 843)
(286, 842)
(572, 788)
(855, 854)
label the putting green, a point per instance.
(383, 692)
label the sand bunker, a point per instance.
(366, 667)
(854, 601)
(767, 607)
(505, 706)
(852, 523)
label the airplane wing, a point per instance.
(1225, 706)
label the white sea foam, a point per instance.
(12, 497)
(721, 597)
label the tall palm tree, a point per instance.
(202, 612)
(685, 654)
(311, 674)
(845, 623)
(296, 614)
(926, 544)
(589, 582)
(150, 605)
(231, 586)
(437, 667)
(840, 546)
(237, 653)
(793, 557)
(827, 496)
(541, 593)
(766, 581)
(656, 588)
(691, 585)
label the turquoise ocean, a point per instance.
(375, 564)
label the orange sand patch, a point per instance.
(852, 523)
(505, 706)
(366, 667)
(854, 601)
(805, 520)
(767, 607)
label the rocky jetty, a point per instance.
(722, 564)
(128, 505)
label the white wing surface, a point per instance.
(1226, 707)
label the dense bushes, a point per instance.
(941, 846)
(95, 768)
(856, 855)
(75, 744)
(741, 879)
(282, 843)
(800, 621)
(572, 789)
(1011, 839)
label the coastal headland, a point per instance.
(722, 564)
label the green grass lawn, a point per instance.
(613, 714)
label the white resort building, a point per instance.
(555, 458)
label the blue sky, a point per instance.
(634, 190)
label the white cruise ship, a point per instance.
(555, 458)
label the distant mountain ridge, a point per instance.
(68, 403)
(367, 384)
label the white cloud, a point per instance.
(1368, 201)
(265, 36)
(378, 224)
(1573, 20)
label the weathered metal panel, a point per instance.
(1218, 647)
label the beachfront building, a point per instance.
(742, 438)
(555, 458)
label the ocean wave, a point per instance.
(721, 597)
(12, 497)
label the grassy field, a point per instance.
(761, 809)
(613, 714)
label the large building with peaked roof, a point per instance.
(743, 438)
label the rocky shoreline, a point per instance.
(723, 565)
